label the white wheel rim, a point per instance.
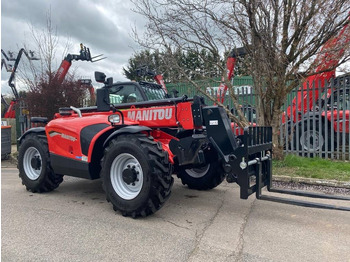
(119, 164)
(31, 172)
(198, 172)
(315, 145)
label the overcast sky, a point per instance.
(103, 26)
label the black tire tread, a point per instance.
(51, 180)
(162, 179)
(209, 184)
(209, 181)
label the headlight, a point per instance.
(114, 119)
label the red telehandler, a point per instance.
(136, 146)
(10, 110)
(313, 131)
(62, 71)
(230, 66)
(84, 55)
(8, 69)
(145, 71)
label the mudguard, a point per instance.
(29, 131)
(124, 130)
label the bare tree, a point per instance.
(282, 39)
(46, 42)
(45, 92)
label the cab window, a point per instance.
(124, 94)
(342, 100)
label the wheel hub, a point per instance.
(310, 141)
(36, 163)
(32, 163)
(198, 172)
(126, 176)
(130, 175)
(313, 140)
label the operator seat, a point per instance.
(131, 98)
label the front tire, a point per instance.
(34, 165)
(136, 175)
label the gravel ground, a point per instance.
(307, 187)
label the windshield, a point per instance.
(342, 100)
(153, 91)
(338, 100)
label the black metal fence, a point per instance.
(315, 119)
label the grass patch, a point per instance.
(297, 166)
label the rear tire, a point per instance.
(203, 178)
(136, 175)
(34, 165)
(313, 141)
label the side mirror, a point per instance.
(100, 77)
(109, 81)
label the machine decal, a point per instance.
(82, 158)
(65, 136)
(152, 114)
(68, 137)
